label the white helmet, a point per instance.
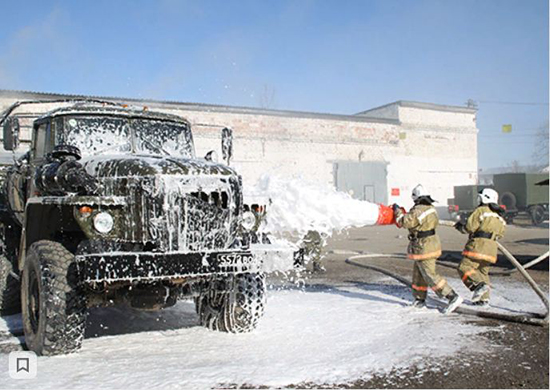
(488, 195)
(419, 191)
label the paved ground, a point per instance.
(522, 362)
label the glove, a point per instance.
(395, 207)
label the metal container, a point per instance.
(466, 196)
(518, 190)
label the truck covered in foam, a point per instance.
(111, 206)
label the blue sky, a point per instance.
(323, 56)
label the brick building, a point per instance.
(378, 155)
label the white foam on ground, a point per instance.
(298, 205)
(330, 336)
(507, 297)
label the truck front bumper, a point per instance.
(151, 266)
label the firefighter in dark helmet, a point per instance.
(425, 248)
(312, 246)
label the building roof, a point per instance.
(168, 104)
(362, 116)
(425, 106)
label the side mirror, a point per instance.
(11, 133)
(227, 144)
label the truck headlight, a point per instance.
(103, 222)
(249, 220)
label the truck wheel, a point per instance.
(235, 309)
(10, 301)
(537, 214)
(53, 310)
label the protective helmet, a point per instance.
(487, 195)
(418, 192)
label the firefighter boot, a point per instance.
(318, 268)
(455, 301)
(482, 303)
(419, 303)
(480, 290)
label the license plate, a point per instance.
(235, 259)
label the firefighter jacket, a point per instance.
(421, 220)
(485, 227)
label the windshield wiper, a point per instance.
(113, 147)
(157, 147)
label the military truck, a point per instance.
(465, 200)
(111, 206)
(518, 193)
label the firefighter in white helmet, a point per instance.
(424, 248)
(484, 226)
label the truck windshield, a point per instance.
(95, 135)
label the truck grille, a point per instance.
(219, 199)
(170, 213)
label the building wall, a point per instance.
(449, 120)
(433, 147)
(440, 157)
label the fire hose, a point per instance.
(503, 272)
(527, 318)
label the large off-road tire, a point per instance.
(537, 214)
(237, 308)
(10, 301)
(53, 308)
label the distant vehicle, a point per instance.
(465, 200)
(518, 193)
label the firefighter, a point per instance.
(312, 244)
(485, 225)
(424, 248)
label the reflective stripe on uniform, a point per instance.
(419, 288)
(439, 285)
(467, 273)
(480, 256)
(398, 220)
(491, 215)
(425, 214)
(423, 256)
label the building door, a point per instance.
(368, 193)
(364, 180)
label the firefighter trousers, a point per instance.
(424, 276)
(473, 272)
